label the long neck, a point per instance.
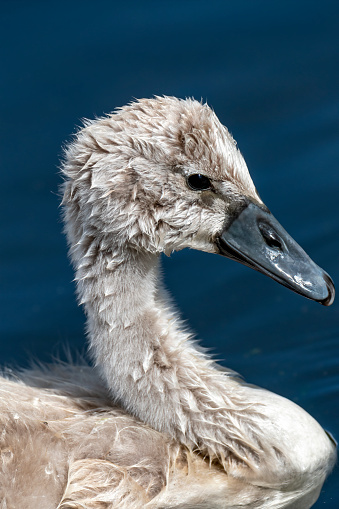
(150, 365)
(133, 333)
(126, 313)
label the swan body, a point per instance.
(156, 423)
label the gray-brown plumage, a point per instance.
(155, 424)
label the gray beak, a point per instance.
(256, 239)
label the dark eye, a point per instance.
(198, 182)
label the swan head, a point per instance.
(163, 174)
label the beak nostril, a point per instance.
(270, 236)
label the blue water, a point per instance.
(271, 72)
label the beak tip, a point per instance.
(328, 301)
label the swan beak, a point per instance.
(256, 239)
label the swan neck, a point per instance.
(128, 315)
(115, 293)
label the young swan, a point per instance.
(156, 176)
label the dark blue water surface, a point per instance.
(271, 72)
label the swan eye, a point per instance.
(198, 182)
